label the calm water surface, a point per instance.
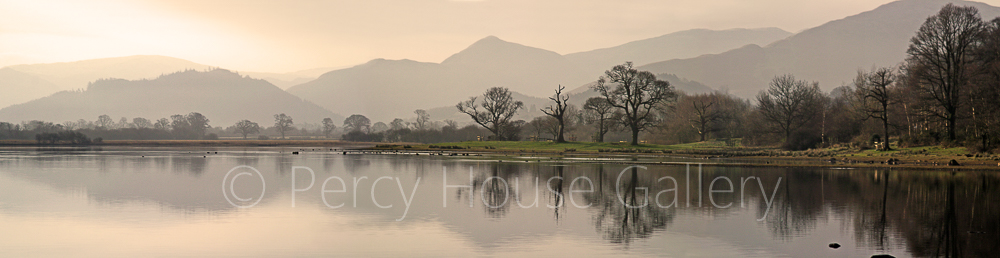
(138, 202)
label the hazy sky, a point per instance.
(284, 36)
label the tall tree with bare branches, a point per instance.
(635, 93)
(558, 112)
(495, 112)
(872, 90)
(940, 60)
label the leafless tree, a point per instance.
(357, 122)
(246, 127)
(328, 127)
(940, 60)
(705, 111)
(558, 112)
(498, 107)
(104, 122)
(141, 123)
(283, 123)
(422, 119)
(602, 115)
(789, 104)
(635, 93)
(872, 96)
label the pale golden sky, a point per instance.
(284, 36)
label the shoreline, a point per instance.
(883, 161)
(197, 143)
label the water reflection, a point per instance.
(918, 213)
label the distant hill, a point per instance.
(53, 77)
(681, 44)
(385, 89)
(831, 53)
(21, 87)
(223, 96)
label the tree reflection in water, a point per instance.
(629, 216)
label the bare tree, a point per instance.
(357, 122)
(872, 94)
(141, 123)
(602, 115)
(397, 124)
(422, 119)
(379, 127)
(162, 124)
(122, 123)
(704, 111)
(635, 93)
(940, 60)
(498, 107)
(245, 127)
(558, 112)
(328, 127)
(283, 123)
(104, 122)
(789, 104)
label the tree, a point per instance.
(358, 123)
(984, 106)
(379, 127)
(283, 123)
(141, 123)
(104, 122)
(602, 115)
(940, 60)
(162, 124)
(198, 123)
(422, 119)
(635, 93)
(872, 96)
(558, 112)
(704, 112)
(498, 107)
(328, 127)
(245, 127)
(789, 104)
(397, 124)
(122, 123)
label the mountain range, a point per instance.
(386, 89)
(831, 53)
(221, 95)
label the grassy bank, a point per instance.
(930, 156)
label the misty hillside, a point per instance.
(76, 75)
(223, 96)
(831, 53)
(682, 44)
(385, 89)
(54, 77)
(15, 81)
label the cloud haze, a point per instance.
(283, 36)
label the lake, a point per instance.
(236, 202)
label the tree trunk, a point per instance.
(561, 128)
(635, 135)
